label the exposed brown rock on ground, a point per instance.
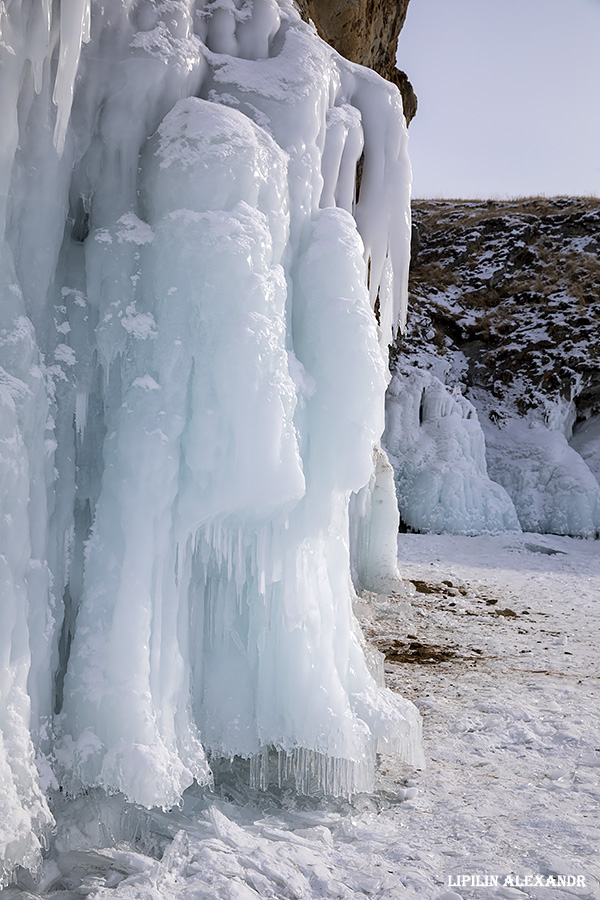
(366, 32)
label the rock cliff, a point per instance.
(503, 312)
(366, 32)
(513, 287)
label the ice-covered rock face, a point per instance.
(191, 385)
(551, 485)
(503, 309)
(437, 446)
(586, 441)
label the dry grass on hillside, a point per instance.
(478, 210)
(515, 285)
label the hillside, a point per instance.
(504, 314)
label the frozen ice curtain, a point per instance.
(192, 386)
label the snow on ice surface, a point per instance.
(192, 385)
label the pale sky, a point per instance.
(509, 96)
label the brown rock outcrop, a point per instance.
(366, 32)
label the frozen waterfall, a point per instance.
(191, 392)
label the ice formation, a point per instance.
(436, 444)
(586, 441)
(552, 487)
(461, 469)
(192, 387)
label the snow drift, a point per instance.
(192, 387)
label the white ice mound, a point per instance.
(437, 448)
(192, 387)
(553, 489)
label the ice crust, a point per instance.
(191, 388)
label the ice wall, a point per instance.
(192, 384)
(458, 471)
(438, 449)
(552, 487)
(586, 441)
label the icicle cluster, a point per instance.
(191, 387)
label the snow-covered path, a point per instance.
(498, 646)
(512, 722)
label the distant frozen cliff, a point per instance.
(192, 387)
(438, 451)
(503, 320)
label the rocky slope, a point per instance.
(366, 32)
(505, 320)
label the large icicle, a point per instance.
(192, 384)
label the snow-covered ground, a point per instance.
(496, 641)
